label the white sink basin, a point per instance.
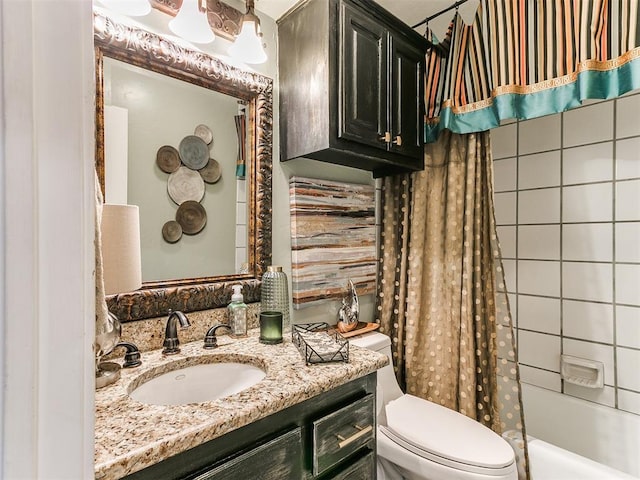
(198, 383)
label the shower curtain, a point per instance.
(441, 292)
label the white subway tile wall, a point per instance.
(588, 242)
(539, 350)
(628, 326)
(539, 170)
(586, 125)
(628, 200)
(629, 401)
(627, 124)
(627, 164)
(605, 396)
(505, 174)
(506, 145)
(538, 242)
(505, 205)
(588, 321)
(628, 284)
(587, 281)
(538, 278)
(628, 361)
(539, 135)
(540, 314)
(507, 236)
(539, 206)
(541, 378)
(592, 163)
(587, 203)
(627, 241)
(567, 191)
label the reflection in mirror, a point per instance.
(146, 112)
(169, 92)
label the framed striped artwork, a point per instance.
(333, 239)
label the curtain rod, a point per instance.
(428, 19)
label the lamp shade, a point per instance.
(247, 46)
(120, 233)
(191, 24)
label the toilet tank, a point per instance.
(387, 383)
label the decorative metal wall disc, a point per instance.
(194, 152)
(212, 172)
(185, 184)
(171, 231)
(168, 159)
(192, 217)
(204, 133)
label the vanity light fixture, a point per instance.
(248, 47)
(191, 22)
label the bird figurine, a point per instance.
(349, 311)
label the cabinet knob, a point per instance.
(386, 138)
(398, 141)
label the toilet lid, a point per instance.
(429, 430)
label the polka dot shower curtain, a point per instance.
(441, 292)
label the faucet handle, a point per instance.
(210, 339)
(131, 356)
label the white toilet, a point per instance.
(420, 440)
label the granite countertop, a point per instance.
(130, 435)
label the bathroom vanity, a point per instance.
(299, 422)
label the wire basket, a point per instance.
(318, 344)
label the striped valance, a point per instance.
(528, 58)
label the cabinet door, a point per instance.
(363, 79)
(279, 459)
(406, 98)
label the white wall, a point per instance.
(568, 209)
(47, 206)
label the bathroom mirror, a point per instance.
(150, 58)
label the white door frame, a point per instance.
(46, 213)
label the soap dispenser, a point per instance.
(237, 313)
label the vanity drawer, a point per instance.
(341, 433)
(278, 459)
(363, 469)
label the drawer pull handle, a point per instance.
(398, 141)
(362, 431)
(386, 138)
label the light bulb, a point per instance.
(248, 45)
(192, 24)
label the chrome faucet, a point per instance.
(171, 341)
(210, 339)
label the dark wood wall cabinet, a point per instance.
(351, 86)
(330, 436)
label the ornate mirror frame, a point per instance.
(153, 52)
